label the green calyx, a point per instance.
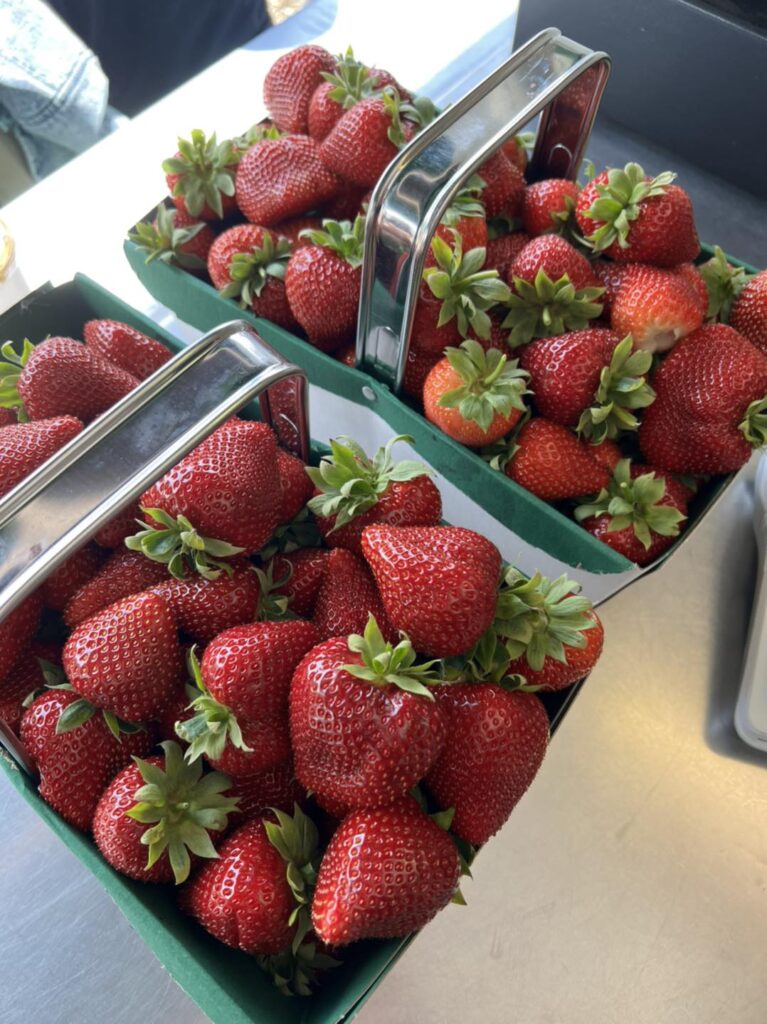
(11, 367)
(619, 203)
(492, 384)
(634, 503)
(183, 806)
(466, 203)
(206, 171)
(341, 237)
(301, 532)
(754, 425)
(419, 112)
(163, 241)
(351, 482)
(622, 388)
(295, 973)
(465, 290)
(213, 725)
(272, 607)
(351, 80)
(177, 544)
(547, 308)
(256, 133)
(499, 454)
(386, 665)
(250, 271)
(724, 283)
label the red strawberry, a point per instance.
(515, 149)
(179, 798)
(64, 582)
(551, 462)
(17, 629)
(548, 206)
(655, 509)
(749, 312)
(127, 658)
(657, 307)
(295, 485)
(503, 250)
(466, 216)
(302, 572)
(323, 283)
(292, 230)
(504, 186)
(113, 533)
(633, 218)
(557, 257)
(556, 675)
(346, 597)
(324, 111)
(610, 276)
(606, 453)
(124, 573)
(353, 491)
(39, 720)
(385, 874)
(174, 236)
(496, 742)
(202, 608)
(25, 446)
(438, 583)
(589, 380)
(126, 347)
(343, 87)
(710, 407)
(275, 786)
(25, 677)
(200, 177)
(282, 178)
(429, 338)
(364, 726)
(689, 272)
(290, 84)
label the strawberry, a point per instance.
(711, 406)
(293, 229)
(606, 454)
(221, 499)
(749, 311)
(504, 190)
(348, 204)
(724, 283)
(556, 257)
(342, 87)
(295, 485)
(290, 84)
(466, 216)
(25, 446)
(549, 630)
(200, 177)
(550, 461)
(346, 597)
(657, 307)
(515, 149)
(323, 283)
(639, 513)
(127, 658)
(503, 250)
(247, 263)
(298, 576)
(363, 723)
(202, 608)
(634, 218)
(496, 742)
(474, 396)
(282, 178)
(64, 582)
(155, 813)
(39, 720)
(24, 678)
(124, 573)
(174, 236)
(113, 533)
(275, 786)
(610, 277)
(385, 874)
(548, 206)
(353, 490)
(589, 380)
(438, 583)
(126, 347)
(17, 629)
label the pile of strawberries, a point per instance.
(287, 689)
(563, 331)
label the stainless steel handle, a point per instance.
(60, 506)
(550, 75)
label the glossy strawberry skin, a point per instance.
(689, 272)
(282, 178)
(610, 276)
(306, 570)
(557, 257)
(385, 874)
(62, 377)
(127, 658)
(496, 742)
(290, 83)
(358, 148)
(438, 583)
(749, 312)
(7, 417)
(556, 675)
(418, 366)
(17, 630)
(323, 291)
(228, 486)
(656, 307)
(39, 720)
(565, 371)
(346, 597)
(25, 446)
(124, 573)
(504, 186)
(543, 199)
(248, 668)
(64, 582)
(502, 251)
(554, 464)
(324, 112)
(203, 608)
(126, 347)
(243, 898)
(354, 742)
(295, 485)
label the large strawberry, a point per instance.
(323, 280)
(557, 258)
(634, 218)
(202, 608)
(496, 741)
(158, 814)
(711, 406)
(656, 307)
(174, 236)
(282, 178)
(340, 89)
(364, 725)
(17, 629)
(355, 491)
(438, 583)
(124, 573)
(222, 499)
(126, 658)
(749, 311)
(385, 873)
(548, 207)
(346, 597)
(25, 446)
(290, 83)
(126, 347)
(63, 583)
(200, 177)
(247, 263)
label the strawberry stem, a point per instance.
(163, 241)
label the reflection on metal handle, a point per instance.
(550, 75)
(61, 505)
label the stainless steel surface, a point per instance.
(550, 75)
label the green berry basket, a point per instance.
(227, 985)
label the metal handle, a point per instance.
(550, 75)
(60, 506)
